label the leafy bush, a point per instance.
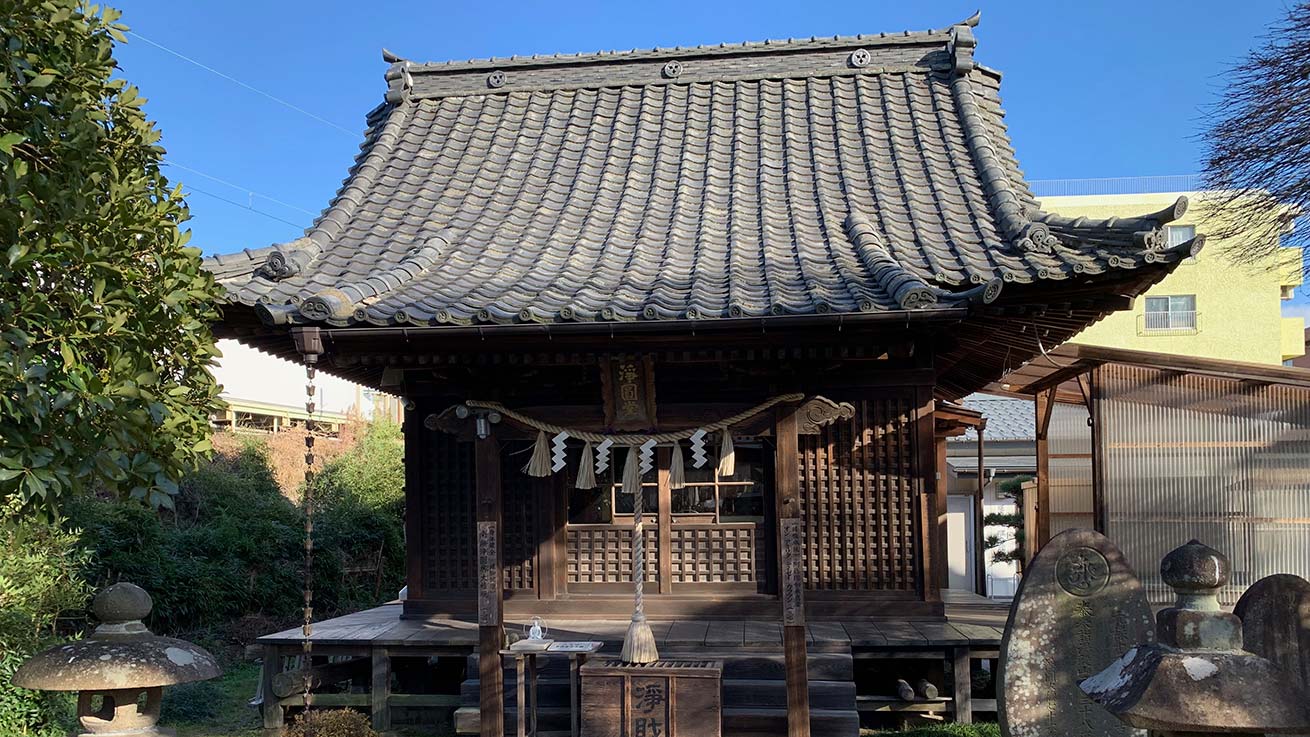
(233, 547)
(361, 497)
(39, 582)
(330, 723)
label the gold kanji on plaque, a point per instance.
(628, 383)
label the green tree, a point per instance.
(999, 545)
(104, 310)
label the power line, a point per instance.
(250, 193)
(255, 210)
(234, 80)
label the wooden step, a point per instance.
(737, 721)
(757, 722)
(552, 691)
(468, 719)
(773, 694)
(771, 666)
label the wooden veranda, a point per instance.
(384, 655)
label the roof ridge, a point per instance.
(1016, 225)
(767, 45)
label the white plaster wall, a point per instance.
(245, 373)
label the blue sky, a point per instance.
(1101, 89)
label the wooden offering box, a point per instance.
(667, 698)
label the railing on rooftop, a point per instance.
(1116, 185)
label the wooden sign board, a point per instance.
(667, 698)
(628, 385)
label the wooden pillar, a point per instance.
(1092, 382)
(962, 691)
(380, 689)
(415, 500)
(979, 511)
(544, 574)
(271, 707)
(942, 549)
(931, 497)
(791, 569)
(1044, 405)
(491, 624)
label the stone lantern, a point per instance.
(122, 663)
(1197, 679)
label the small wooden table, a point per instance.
(525, 680)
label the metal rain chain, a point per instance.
(310, 346)
(307, 629)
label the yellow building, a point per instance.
(1208, 306)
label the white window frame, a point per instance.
(1179, 313)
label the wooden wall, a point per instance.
(865, 486)
(859, 498)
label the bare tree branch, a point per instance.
(1258, 146)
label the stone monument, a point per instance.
(1275, 615)
(1198, 680)
(1078, 608)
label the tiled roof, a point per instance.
(842, 175)
(1007, 419)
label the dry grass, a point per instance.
(286, 451)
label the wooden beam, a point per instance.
(791, 569)
(491, 624)
(1043, 407)
(1058, 376)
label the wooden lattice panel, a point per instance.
(857, 499)
(523, 498)
(448, 480)
(603, 554)
(715, 553)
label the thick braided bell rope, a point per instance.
(638, 553)
(633, 439)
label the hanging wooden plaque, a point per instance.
(793, 571)
(488, 573)
(628, 383)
